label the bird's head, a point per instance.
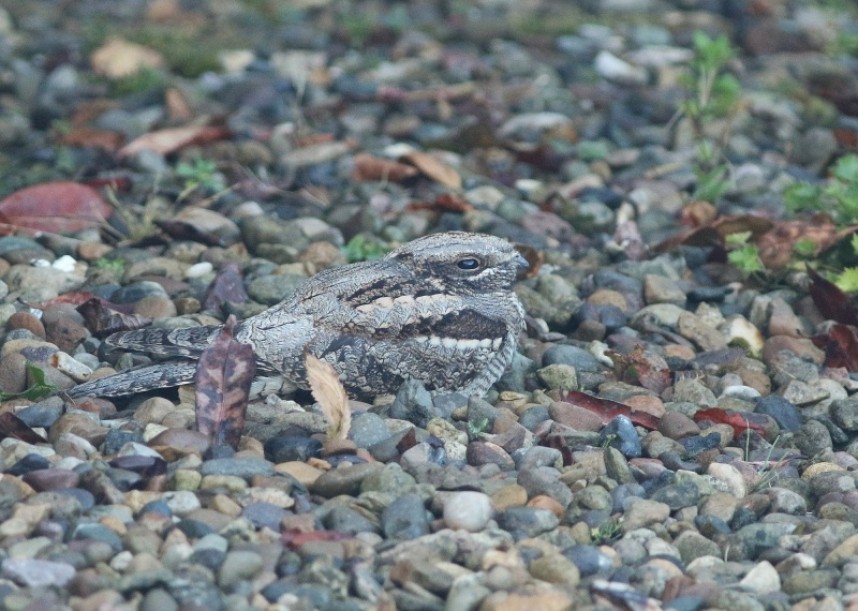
(470, 262)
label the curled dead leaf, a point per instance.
(444, 202)
(534, 258)
(12, 426)
(433, 168)
(831, 302)
(697, 214)
(89, 137)
(329, 392)
(840, 345)
(103, 320)
(777, 246)
(172, 139)
(371, 168)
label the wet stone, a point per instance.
(349, 521)
(811, 438)
(345, 479)
(578, 358)
(525, 522)
(35, 573)
(368, 429)
(784, 412)
(621, 434)
(487, 453)
(293, 447)
(405, 518)
(845, 413)
(240, 467)
(413, 403)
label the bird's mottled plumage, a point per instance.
(439, 309)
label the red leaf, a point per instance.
(740, 421)
(831, 302)
(57, 207)
(840, 345)
(608, 410)
(224, 374)
(12, 426)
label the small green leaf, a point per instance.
(846, 169)
(37, 391)
(847, 280)
(201, 173)
(801, 196)
(805, 248)
(739, 238)
(361, 248)
(746, 259)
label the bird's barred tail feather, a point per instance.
(188, 342)
(137, 380)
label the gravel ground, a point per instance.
(554, 124)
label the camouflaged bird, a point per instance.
(439, 309)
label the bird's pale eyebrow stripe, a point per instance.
(385, 302)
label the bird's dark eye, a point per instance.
(468, 263)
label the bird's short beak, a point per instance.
(521, 262)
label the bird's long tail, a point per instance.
(187, 342)
(137, 380)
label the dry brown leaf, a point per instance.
(170, 140)
(103, 320)
(535, 258)
(714, 233)
(178, 108)
(777, 246)
(697, 214)
(92, 138)
(437, 170)
(118, 58)
(12, 426)
(329, 392)
(371, 168)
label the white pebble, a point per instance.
(199, 269)
(730, 477)
(182, 502)
(740, 391)
(65, 264)
(467, 510)
(615, 69)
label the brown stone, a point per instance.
(25, 320)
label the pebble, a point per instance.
(470, 511)
(35, 573)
